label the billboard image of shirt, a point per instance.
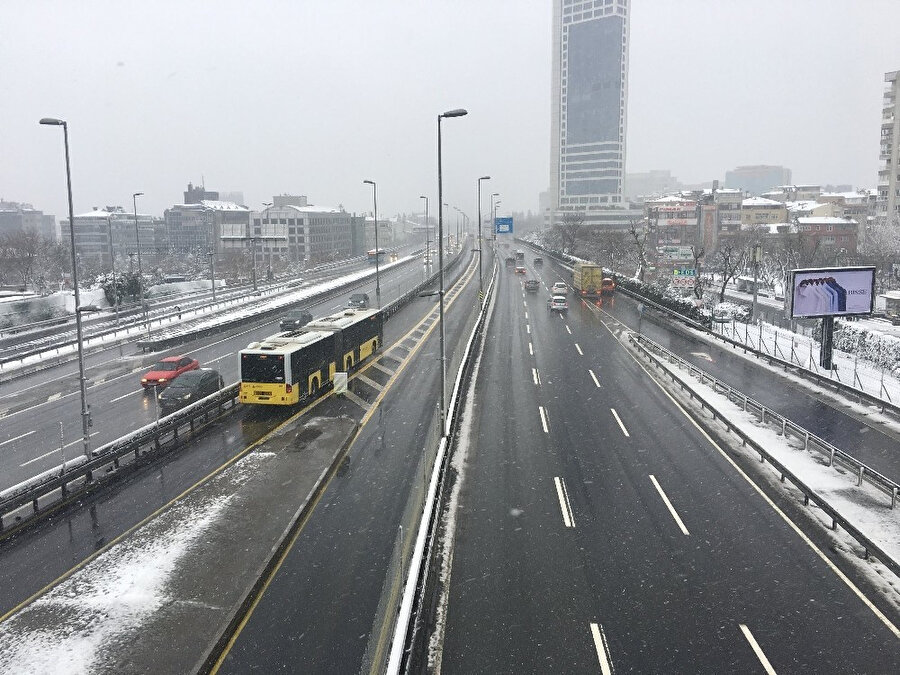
(837, 291)
(503, 225)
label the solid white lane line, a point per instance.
(564, 505)
(621, 426)
(535, 376)
(543, 419)
(568, 330)
(27, 433)
(669, 504)
(594, 377)
(130, 393)
(757, 650)
(530, 349)
(602, 649)
(579, 349)
(47, 454)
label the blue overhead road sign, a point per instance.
(503, 225)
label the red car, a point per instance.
(167, 370)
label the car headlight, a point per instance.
(161, 380)
(143, 380)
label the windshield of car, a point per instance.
(165, 366)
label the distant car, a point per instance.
(559, 288)
(166, 370)
(510, 261)
(189, 388)
(295, 319)
(358, 301)
(520, 269)
(607, 286)
(532, 285)
(538, 262)
(558, 303)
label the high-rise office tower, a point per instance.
(887, 204)
(589, 93)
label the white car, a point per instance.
(559, 288)
(558, 303)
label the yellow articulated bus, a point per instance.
(293, 366)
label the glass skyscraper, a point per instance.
(589, 96)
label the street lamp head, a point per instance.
(369, 182)
(496, 194)
(422, 197)
(137, 194)
(485, 178)
(53, 121)
(458, 112)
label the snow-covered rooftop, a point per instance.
(216, 205)
(760, 201)
(825, 220)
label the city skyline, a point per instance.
(151, 106)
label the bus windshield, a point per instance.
(262, 368)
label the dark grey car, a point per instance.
(188, 388)
(358, 301)
(295, 319)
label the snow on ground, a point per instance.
(78, 625)
(212, 321)
(868, 509)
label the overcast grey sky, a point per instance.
(311, 97)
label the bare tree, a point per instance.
(731, 259)
(639, 235)
(569, 229)
(697, 252)
(18, 252)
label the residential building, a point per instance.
(196, 194)
(830, 235)
(761, 211)
(302, 233)
(111, 231)
(887, 207)
(198, 228)
(589, 94)
(756, 179)
(16, 217)
(674, 219)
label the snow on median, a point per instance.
(87, 621)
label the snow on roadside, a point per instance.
(83, 622)
(866, 508)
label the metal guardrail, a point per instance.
(657, 353)
(80, 475)
(788, 428)
(31, 499)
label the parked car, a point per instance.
(532, 285)
(166, 370)
(559, 288)
(358, 301)
(189, 388)
(295, 319)
(558, 303)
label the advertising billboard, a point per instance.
(831, 291)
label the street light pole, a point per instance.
(377, 251)
(458, 112)
(137, 238)
(427, 256)
(85, 410)
(480, 279)
(112, 260)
